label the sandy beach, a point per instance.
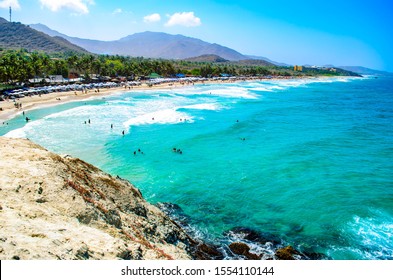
(9, 110)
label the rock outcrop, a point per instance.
(55, 207)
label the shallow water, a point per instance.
(308, 161)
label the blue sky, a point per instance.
(344, 32)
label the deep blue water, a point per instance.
(308, 161)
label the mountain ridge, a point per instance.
(365, 71)
(150, 44)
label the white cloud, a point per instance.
(152, 18)
(78, 6)
(187, 19)
(117, 11)
(10, 3)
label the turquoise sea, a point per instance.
(309, 162)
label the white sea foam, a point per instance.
(228, 91)
(370, 238)
(17, 133)
(274, 85)
(168, 116)
(23, 132)
(204, 106)
(269, 88)
(376, 234)
(278, 85)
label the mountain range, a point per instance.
(16, 35)
(150, 44)
(38, 37)
(365, 71)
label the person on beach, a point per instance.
(27, 119)
(111, 126)
(89, 121)
(122, 132)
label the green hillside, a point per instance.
(207, 58)
(19, 36)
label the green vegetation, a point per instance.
(18, 66)
(15, 35)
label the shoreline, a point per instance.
(9, 110)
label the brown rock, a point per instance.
(244, 250)
(286, 253)
(207, 252)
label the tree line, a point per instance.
(18, 66)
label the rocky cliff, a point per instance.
(59, 207)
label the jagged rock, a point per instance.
(286, 253)
(87, 216)
(139, 210)
(90, 207)
(175, 212)
(243, 249)
(207, 252)
(113, 218)
(41, 200)
(83, 253)
(125, 255)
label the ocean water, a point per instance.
(307, 161)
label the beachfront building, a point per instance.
(298, 68)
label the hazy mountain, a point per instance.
(365, 71)
(150, 44)
(254, 57)
(16, 35)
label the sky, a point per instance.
(338, 32)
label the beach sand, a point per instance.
(9, 110)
